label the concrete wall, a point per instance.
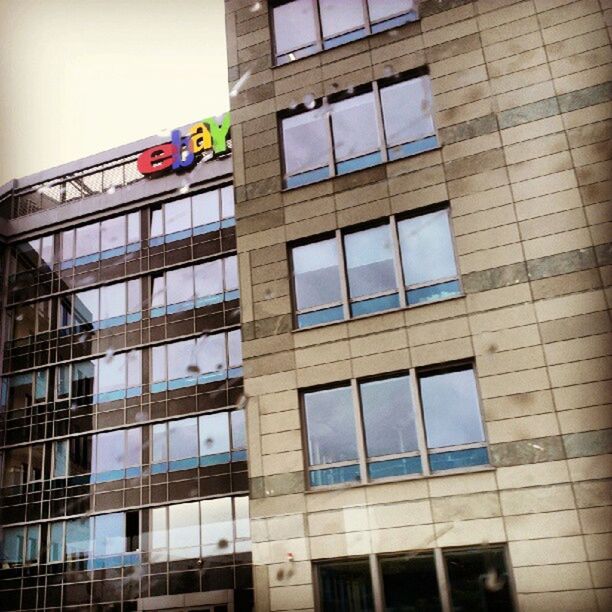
(522, 108)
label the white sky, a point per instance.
(81, 76)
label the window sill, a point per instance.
(415, 477)
(376, 314)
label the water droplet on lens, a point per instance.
(19, 317)
(193, 368)
(208, 442)
(267, 294)
(309, 101)
(108, 356)
(222, 543)
(74, 406)
(243, 401)
(111, 189)
(256, 6)
(140, 416)
(350, 90)
(280, 574)
(293, 105)
(219, 367)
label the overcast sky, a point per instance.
(81, 76)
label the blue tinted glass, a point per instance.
(396, 22)
(395, 467)
(319, 317)
(458, 459)
(433, 292)
(375, 305)
(332, 476)
(412, 148)
(305, 178)
(358, 163)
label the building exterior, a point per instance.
(124, 478)
(423, 237)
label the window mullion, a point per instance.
(377, 587)
(343, 277)
(418, 419)
(442, 576)
(331, 158)
(366, 17)
(379, 122)
(397, 262)
(316, 9)
(359, 430)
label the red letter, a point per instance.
(156, 159)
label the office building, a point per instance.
(423, 235)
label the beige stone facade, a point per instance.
(522, 112)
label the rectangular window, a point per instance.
(396, 264)
(13, 545)
(117, 454)
(23, 390)
(196, 286)
(391, 427)
(207, 440)
(304, 27)
(199, 214)
(29, 319)
(109, 378)
(202, 529)
(474, 579)
(395, 119)
(197, 361)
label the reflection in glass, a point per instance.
(109, 534)
(32, 543)
(214, 434)
(305, 143)
(347, 114)
(341, 16)
(345, 586)
(331, 426)
(384, 9)
(13, 545)
(205, 208)
(217, 526)
(55, 552)
(177, 215)
(184, 531)
(183, 440)
(294, 28)
(450, 407)
(77, 538)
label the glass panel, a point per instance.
(427, 248)
(83, 378)
(346, 587)
(20, 391)
(388, 417)
(47, 250)
(214, 434)
(177, 215)
(86, 306)
(24, 321)
(134, 366)
(80, 455)
(112, 373)
(340, 16)
(227, 202)
(217, 526)
(305, 142)
(87, 240)
(349, 142)
(77, 538)
(295, 26)
(234, 342)
(184, 531)
(179, 285)
(60, 459)
(407, 111)
(238, 429)
(133, 228)
(210, 352)
(231, 273)
(67, 245)
(112, 233)
(450, 407)
(181, 355)
(478, 581)
(316, 274)
(64, 315)
(113, 301)
(209, 278)
(205, 208)
(243, 526)
(109, 534)
(134, 296)
(160, 443)
(36, 462)
(40, 385)
(158, 363)
(158, 291)
(410, 584)
(110, 451)
(157, 222)
(159, 532)
(32, 540)
(133, 447)
(63, 381)
(383, 9)
(16, 462)
(13, 544)
(183, 443)
(56, 542)
(43, 315)
(369, 261)
(331, 426)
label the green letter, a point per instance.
(219, 133)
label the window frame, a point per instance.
(423, 451)
(430, 143)
(319, 45)
(402, 287)
(441, 575)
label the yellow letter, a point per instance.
(200, 138)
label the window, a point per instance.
(20, 545)
(196, 286)
(393, 264)
(395, 118)
(100, 240)
(24, 390)
(73, 458)
(200, 529)
(109, 378)
(404, 427)
(305, 27)
(22, 465)
(33, 255)
(196, 361)
(210, 439)
(429, 581)
(102, 307)
(106, 540)
(29, 319)
(195, 215)
(117, 454)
